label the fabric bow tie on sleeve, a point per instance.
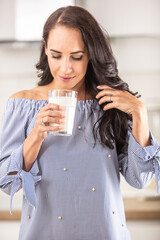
(21, 179)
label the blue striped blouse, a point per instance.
(72, 192)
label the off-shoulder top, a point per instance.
(73, 189)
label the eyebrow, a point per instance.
(52, 50)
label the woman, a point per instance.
(71, 184)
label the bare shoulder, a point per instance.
(34, 93)
(22, 94)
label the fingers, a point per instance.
(51, 113)
(109, 96)
(109, 106)
(108, 92)
(105, 99)
(51, 106)
(119, 99)
(44, 129)
(106, 96)
(104, 87)
(110, 103)
(49, 118)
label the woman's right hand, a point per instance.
(51, 113)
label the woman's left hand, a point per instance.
(119, 99)
(129, 104)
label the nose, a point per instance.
(66, 67)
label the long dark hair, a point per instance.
(113, 125)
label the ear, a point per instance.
(45, 47)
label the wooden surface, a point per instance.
(140, 209)
(6, 216)
(135, 209)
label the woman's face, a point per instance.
(67, 57)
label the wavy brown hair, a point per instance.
(113, 125)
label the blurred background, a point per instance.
(134, 30)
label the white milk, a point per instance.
(69, 105)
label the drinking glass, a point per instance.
(67, 99)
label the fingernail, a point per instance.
(98, 86)
(60, 107)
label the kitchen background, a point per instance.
(134, 30)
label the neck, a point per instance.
(80, 88)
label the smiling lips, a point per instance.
(66, 79)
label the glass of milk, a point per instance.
(67, 99)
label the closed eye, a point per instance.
(56, 57)
(77, 58)
(73, 57)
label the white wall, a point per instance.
(126, 17)
(17, 71)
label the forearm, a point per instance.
(31, 149)
(140, 129)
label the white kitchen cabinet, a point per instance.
(23, 20)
